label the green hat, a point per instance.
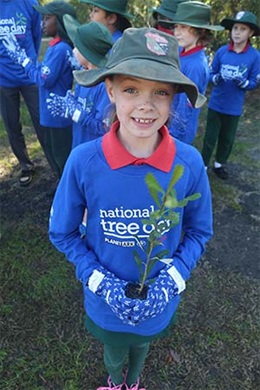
(244, 17)
(93, 39)
(194, 14)
(114, 6)
(148, 54)
(167, 9)
(57, 8)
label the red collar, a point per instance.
(117, 156)
(231, 47)
(54, 41)
(191, 51)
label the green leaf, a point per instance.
(184, 202)
(153, 187)
(161, 254)
(151, 265)
(177, 174)
(150, 281)
(139, 242)
(139, 262)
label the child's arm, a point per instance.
(90, 118)
(45, 74)
(67, 211)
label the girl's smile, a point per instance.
(143, 107)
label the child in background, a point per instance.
(24, 21)
(112, 13)
(192, 30)
(235, 70)
(107, 176)
(87, 106)
(166, 11)
(53, 75)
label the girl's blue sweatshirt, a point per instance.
(117, 200)
(54, 74)
(20, 18)
(95, 103)
(184, 125)
(227, 97)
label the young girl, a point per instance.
(112, 13)
(192, 31)
(235, 70)
(87, 106)
(107, 176)
(53, 75)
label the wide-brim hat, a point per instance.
(92, 39)
(244, 17)
(167, 9)
(57, 8)
(148, 54)
(115, 6)
(194, 14)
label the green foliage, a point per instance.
(162, 219)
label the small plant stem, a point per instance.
(146, 268)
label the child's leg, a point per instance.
(114, 359)
(212, 132)
(137, 356)
(226, 138)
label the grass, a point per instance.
(215, 343)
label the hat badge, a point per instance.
(240, 15)
(156, 44)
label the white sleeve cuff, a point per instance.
(176, 276)
(76, 115)
(26, 62)
(95, 280)
(245, 84)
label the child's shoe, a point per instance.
(135, 386)
(112, 386)
(221, 172)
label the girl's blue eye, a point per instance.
(162, 93)
(130, 90)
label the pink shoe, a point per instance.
(135, 386)
(112, 386)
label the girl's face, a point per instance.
(186, 36)
(82, 60)
(142, 106)
(49, 25)
(100, 15)
(241, 33)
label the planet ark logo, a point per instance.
(121, 225)
(17, 25)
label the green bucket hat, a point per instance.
(167, 9)
(115, 6)
(92, 39)
(148, 54)
(194, 14)
(244, 17)
(59, 9)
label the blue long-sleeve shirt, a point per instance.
(100, 176)
(227, 97)
(54, 74)
(194, 65)
(20, 18)
(94, 101)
